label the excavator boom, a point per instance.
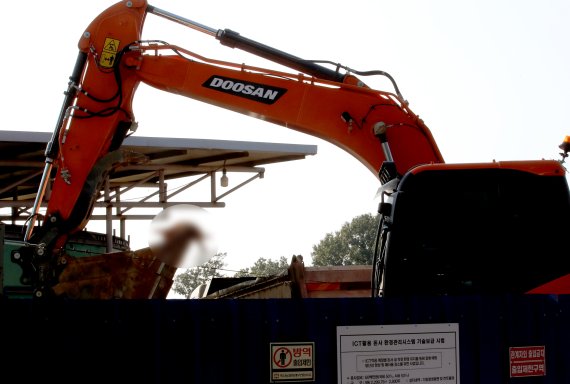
(322, 102)
(377, 127)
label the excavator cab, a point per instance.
(484, 229)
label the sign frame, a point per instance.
(291, 362)
(399, 353)
(531, 360)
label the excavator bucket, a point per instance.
(127, 275)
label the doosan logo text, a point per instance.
(263, 93)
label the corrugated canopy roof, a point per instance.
(22, 159)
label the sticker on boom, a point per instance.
(109, 53)
(262, 93)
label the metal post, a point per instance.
(109, 216)
(213, 197)
(122, 221)
(161, 187)
(14, 209)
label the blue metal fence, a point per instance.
(227, 341)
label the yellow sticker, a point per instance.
(109, 53)
(111, 45)
(107, 59)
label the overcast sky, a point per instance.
(489, 78)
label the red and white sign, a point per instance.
(282, 357)
(527, 361)
(292, 362)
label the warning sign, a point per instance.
(111, 45)
(527, 361)
(292, 362)
(400, 353)
(109, 54)
(107, 59)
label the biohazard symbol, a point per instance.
(109, 53)
(282, 357)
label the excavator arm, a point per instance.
(334, 107)
(374, 126)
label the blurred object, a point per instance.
(183, 236)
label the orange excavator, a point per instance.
(437, 220)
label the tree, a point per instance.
(353, 244)
(186, 282)
(265, 267)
